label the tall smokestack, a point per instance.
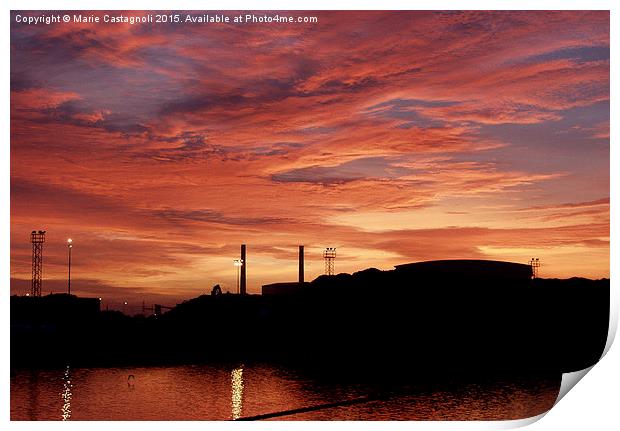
(301, 263)
(244, 264)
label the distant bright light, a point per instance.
(99, 299)
(238, 262)
(125, 302)
(69, 241)
(27, 294)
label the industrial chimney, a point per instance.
(244, 263)
(301, 263)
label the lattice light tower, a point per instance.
(330, 256)
(37, 238)
(535, 264)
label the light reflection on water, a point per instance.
(66, 395)
(236, 384)
(207, 392)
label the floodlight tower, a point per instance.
(535, 264)
(37, 238)
(329, 254)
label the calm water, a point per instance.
(201, 392)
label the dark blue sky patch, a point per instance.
(408, 111)
(581, 54)
(370, 167)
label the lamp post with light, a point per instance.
(238, 263)
(69, 246)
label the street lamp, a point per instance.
(69, 246)
(238, 263)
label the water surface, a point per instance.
(210, 392)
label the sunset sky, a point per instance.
(393, 136)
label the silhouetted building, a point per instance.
(467, 269)
(483, 271)
(289, 288)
